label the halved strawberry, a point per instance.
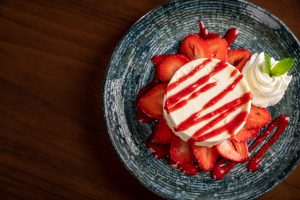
(206, 157)
(231, 35)
(218, 47)
(162, 133)
(158, 150)
(167, 68)
(180, 151)
(238, 57)
(245, 134)
(257, 118)
(151, 103)
(233, 150)
(194, 47)
(157, 59)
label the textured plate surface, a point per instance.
(160, 31)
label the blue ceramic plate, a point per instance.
(160, 31)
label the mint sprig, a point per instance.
(280, 68)
(268, 64)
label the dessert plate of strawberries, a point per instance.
(201, 100)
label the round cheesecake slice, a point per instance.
(206, 102)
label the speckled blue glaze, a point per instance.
(160, 31)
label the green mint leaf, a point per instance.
(282, 66)
(268, 64)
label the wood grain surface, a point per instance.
(53, 57)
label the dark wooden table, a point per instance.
(53, 56)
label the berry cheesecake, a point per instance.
(206, 101)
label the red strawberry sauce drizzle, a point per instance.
(230, 126)
(194, 71)
(181, 103)
(281, 122)
(222, 167)
(233, 73)
(220, 96)
(194, 118)
(192, 87)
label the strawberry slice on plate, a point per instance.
(162, 133)
(194, 47)
(233, 150)
(151, 103)
(157, 59)
(180, 151)
(238, 57)
(167, 68)
(206, 157)
(188, 168)
(204, 34)
(158, 150)
(257, 118)
(231, 35)
(203, 31)
(246, 134)
(218, 47)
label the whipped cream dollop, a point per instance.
(266, 91)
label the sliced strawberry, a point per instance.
(206, 157)
(151, 103)
(231, 35)
(245, 134)
(204, 34)
(238, 57)
(194, 47)
(157, 59)
(180, 151)
(162, 134)
(218, 47)
(142, 117)
(233, 150)
(189, 168)
(167, 68)
(221, 168)
(257, 118)
(148, 86)
(203, 31)
(159, 150)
